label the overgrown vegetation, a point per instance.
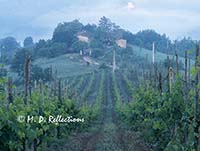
(163, 110)
(160, 100)
(21, 125)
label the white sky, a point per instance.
(38, 18)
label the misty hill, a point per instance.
(67, 39)
(74, 64)
(96, 41)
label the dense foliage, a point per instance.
(20, 132)
(144, 98)
(8, 46)
(164, 120)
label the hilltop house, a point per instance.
(121, 43)
(82, 36)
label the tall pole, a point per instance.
(177, 65)
(55, 83)
(196, 110)
(167, 47)
(153, 53)
(189, 68)
(10, 90)
(171, 78)
(114, 61)
(0, 52)
(59, 91)
(26, 77)
(186, 68)
(154, 74)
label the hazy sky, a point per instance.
(38, 18)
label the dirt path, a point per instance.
(107, 134)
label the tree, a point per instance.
(79, 45)
(90, 28)
(18, 61)
(66, 32)
(96, 52)
(37, 73)
(129, 36)
(41, 44)
(103, 32)
(8, 46)
(105, 24)
(28, 42)
(107, 32)
(52, 50)
(95, 43)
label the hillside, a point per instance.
(91, 84)
(159, 56)
(74, 64)
(67, 65)
(129, 107)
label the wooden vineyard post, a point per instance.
(146, 59)
(168, 63)
(51, 79)
(186, 67)
(60, 105)
(150, 78)
(143, 73)
(136, 77)
(177, 65)
(114, 62)
(50, 73)
(186, 76)
(59, 91)
(155, 76)
(154, 70)
(153, 53)
(171, 78)
(26, 77)
(30, 88)
(55, 83)
(65, 89)
(40, 87)
(10, 91)
(40, 90)
(26, 87)
(160, 83)
(35, 85)
(189, 71)
(186, 94)
(196, 109)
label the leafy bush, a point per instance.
(161, 120)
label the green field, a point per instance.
(159, 56)
(66, 65)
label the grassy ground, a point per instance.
(67, 65)
(73, 64)
(159, 56)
